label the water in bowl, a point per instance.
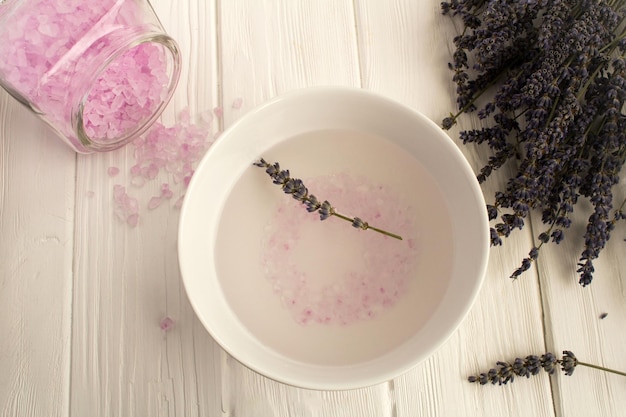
(323, 292)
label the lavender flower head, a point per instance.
(557, 76)
(296, 188)
(531, 365)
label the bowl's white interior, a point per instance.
(292, 115)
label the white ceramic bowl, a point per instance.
(300, 316)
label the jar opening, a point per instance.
(128, 94)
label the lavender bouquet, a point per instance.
(555, 70)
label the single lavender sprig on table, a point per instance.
(296, 188)
(532, 365)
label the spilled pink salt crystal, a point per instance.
(165, 151)
(237, 103)
(154, 202)
(187, 178)
(126, 207)
(133, 220)
(113, 171)
(174, 149)
(166, 192)
(166, 324)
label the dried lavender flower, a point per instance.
(296, 188)
(506, 372)
(568, 363)
(557, 73)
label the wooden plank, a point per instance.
(405, 47)
(36, 243)
(127, 279)
(269, 48)
(251, 394)
(573, 317)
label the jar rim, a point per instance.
(171, 48)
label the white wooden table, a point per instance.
(82, 295)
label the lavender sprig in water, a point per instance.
(531, 365)
(296, 188)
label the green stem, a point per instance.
(601, 368)
(376, 229)
(384, 232)
(341, 216)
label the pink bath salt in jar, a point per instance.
(99, 72)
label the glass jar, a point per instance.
(100, 72)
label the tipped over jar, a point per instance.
(99, 72)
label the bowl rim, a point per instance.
(363, 378)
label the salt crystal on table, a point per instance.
(153, 171)
(126, 207)
(184, 117)
(173, 151)
(187, 179)
(237, 103)
(138, 181)
(154, 203)
(118, 193)
(206, 117)
(166, 192)
(133, 220)
(166, 324)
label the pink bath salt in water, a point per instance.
(127, 93)
(329, 272)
